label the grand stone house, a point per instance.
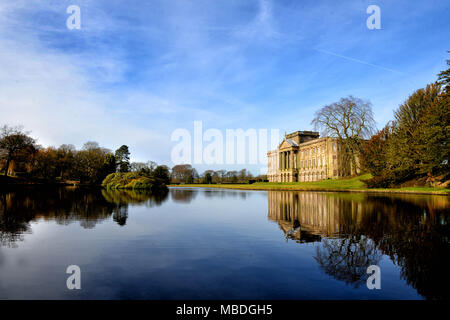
(304, 156)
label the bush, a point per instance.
(131, 180)
(384, 180)
(140, 183)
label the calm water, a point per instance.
(222, 244)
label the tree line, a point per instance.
(22, 156)
(415, 145)
(185, 173)
(413, 148)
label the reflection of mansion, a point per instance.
(308, 216)
(303, 156)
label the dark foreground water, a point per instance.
(222, 244)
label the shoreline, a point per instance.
(354, 185)
(439, 192)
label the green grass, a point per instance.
(355, 184)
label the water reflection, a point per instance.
(355, 230)
(347, 259)
(65, 206)
(183, 195)
(225, 244)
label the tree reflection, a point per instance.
(88, 207)
(12, 226)
(144, 197)
(347, 259)
(354, 230)
(183, 195)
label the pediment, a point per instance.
(286, 144)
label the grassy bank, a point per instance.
(355, 184)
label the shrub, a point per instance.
(131, 180)
(384, 180)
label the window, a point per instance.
(334, 172)
(334, 147)
(314, 162)
(301, 164)
(310, 163)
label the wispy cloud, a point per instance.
(359, 61)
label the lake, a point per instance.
(208, 243)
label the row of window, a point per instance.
(316, 150)
(312, 163)
(312, 151)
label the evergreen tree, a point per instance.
(123, 159)
(405, 153)
(444, 78)
(436, 136)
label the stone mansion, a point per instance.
(303, 156)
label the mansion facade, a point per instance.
(304, 156)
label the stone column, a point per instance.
(289, 159)
(279, 160)
(286, 159)
(282, 160)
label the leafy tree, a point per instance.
(183, 173)
(162, 175)
(137, 166)
(374, 151)
(221, 174)
(147, 169)
(350, 121)
(65, 160)
(109, 164)
(435, 148)
(14, 145)
(415, 144)
(45, 164)
(123, 159)
(207, 177)
(90, 163)
(405, 152)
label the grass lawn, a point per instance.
(355, 184)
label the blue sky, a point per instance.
(138, 70)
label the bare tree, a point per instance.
(350, 121)
(14, 143)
